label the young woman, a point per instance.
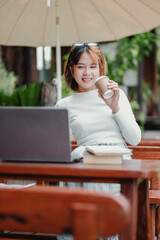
(94, 120)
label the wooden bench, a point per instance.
(145, 152)
(149, 142)
(143, 142)
(151, 153)
(54, 210)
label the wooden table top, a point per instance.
(129, 169)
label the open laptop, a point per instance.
(34, 134)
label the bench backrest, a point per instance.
(139, 152)
(149, 142)
(56, 210)
(145, 152)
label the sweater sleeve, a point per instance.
(127, 122)
(60, 104)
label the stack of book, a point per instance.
(105, 154)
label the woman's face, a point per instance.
(85, 73)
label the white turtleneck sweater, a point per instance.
(92, 121)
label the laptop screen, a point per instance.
(34, 134)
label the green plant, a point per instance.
(6, 100)
(158, 52)
(30, 95)
(26, 95)
(8, 80)
(66, 91)
(130, 51)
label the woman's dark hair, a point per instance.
(74, 57)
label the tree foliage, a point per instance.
(130, 51)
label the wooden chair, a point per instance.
(54, 210)
(151, 153)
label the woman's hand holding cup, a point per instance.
(102, 85)
(109, 92)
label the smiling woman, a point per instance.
(94, 120)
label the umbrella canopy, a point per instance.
(32, 23)
(62, 22)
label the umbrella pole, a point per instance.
(58, 56)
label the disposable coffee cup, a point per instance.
(101, 84)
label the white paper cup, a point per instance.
(101, 83)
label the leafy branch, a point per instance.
(130, 51)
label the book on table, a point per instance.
(105, 154)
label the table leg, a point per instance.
(130, 189)
(143, 231)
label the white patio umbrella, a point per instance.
(62, 22)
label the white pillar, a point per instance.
(58, 54)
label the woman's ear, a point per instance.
(71, 71)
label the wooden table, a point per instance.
(133, 176)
